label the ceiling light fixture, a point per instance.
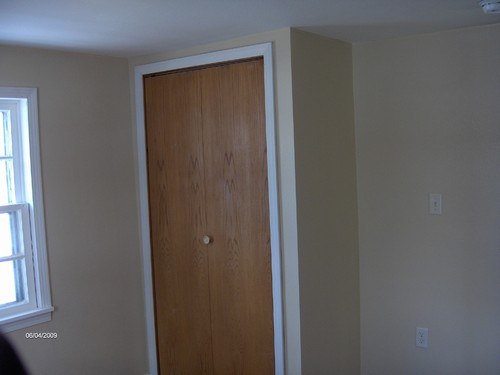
(490, 6)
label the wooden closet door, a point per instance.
(238, 217)
(213, 302)
(177, 222)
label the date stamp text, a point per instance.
(41, 335)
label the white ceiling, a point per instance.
(136, 27)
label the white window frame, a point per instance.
(22, 103)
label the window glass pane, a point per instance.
(5, 135)
(11, 282)
(2, 135)
(10, 234)
(7, 187)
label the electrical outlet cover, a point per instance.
(422, 337)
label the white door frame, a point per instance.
(264, 50)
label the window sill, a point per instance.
(26, 319)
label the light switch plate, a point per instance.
(435, 204)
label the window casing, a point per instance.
(24, 282)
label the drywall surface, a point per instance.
(90, 211)
(428, 121)
(326, 204)
(286, 172)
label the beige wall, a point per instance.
(426, 111)
(326, 204)
(427, 121)
(286, 172)
(90, 211)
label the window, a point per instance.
(24, 283)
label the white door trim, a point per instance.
(264, 50)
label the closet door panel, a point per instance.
(238, 218)
(178, 222)
(207, 166)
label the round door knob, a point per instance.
(206, 240)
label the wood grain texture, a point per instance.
(177, 220)
(237, 206)
(207, 167)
